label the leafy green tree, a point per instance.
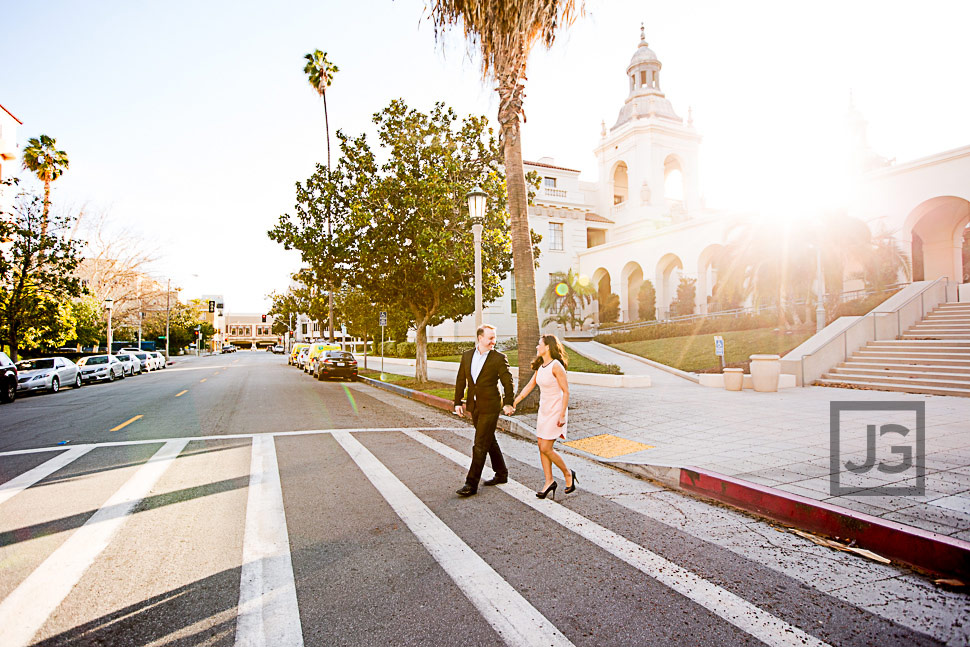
(647, 301)
(609, 309)
(42, 158)
(565, 297)
(285, 308)
(683, 303)
(36, 276)
(505, 32)
(89, 321)
(320, 72)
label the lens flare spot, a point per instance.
(350, 397)
(562, 289)
(583, 280)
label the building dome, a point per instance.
(643, 55)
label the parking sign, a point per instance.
(383, 318)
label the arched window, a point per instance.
(620, 184)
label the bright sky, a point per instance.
(190, 121)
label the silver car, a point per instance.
(101, 367)
(159, 359)
(131, 363)
(147, 362)
(47, 374)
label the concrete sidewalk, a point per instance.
(780, 440)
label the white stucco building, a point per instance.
(643, 218)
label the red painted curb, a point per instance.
(925, 550)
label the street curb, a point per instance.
(924, 550)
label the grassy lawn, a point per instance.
(696, 353)
(576, 361)
(434, 388)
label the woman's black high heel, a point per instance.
(571, 488)
(551, 490)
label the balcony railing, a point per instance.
(554, 193)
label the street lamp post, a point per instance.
(168, 314)
(477, 200)
(108, 302)
(820, 278)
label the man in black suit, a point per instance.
(481, 369)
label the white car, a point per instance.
(100, 367)
(147, 361)
(47, 374)
(159, 358)
(131, 363)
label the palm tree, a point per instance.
(567, 294)
(42, 158)
(506, 31)
(320, 71)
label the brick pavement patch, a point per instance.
(607, 445)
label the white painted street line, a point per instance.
(515, 620)
(736, 610)
(18, 484)
(26, 609)
(191, 439)
(268, 612)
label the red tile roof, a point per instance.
(558, 168)
(592, 217)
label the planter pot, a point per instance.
(733, 379)
(765, 370)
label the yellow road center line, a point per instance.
(216, 373)
(126, 423)
(202, 380)
(181, 393)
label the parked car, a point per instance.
(8, 379)
(296, 351)
(47, 374)
(228, 348)
(335, 363)
(160, 360)
(278, 349)
(301, 358)
(315, 353)
(146, 360)
(132, 364)
(101, 367)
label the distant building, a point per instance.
(246, 330)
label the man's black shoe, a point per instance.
(496, 481)
(467, 490)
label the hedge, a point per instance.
(696, 327)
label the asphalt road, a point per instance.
(234, 500)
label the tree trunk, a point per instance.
(47, 205)
(524, 265)
(421, 350)
(326, 122)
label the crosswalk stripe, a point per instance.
(736, 610)
(510, 614)
(18, 484)
(25, 610)
(268, 614)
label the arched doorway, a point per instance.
(601, 279)
(621, 184)
(669, 270)
(936, 231)
(632, 279)
(708, 263)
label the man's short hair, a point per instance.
(481, 329)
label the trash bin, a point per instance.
(765, 370)
(733, 378)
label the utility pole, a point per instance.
(168, 314)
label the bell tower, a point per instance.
(646, 150)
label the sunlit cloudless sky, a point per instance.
(190, 122)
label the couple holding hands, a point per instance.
(481, 370)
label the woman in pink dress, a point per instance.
(550, 375)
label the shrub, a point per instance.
(406, 349)
(447, 348)
(647, 302)
(696, 327)
(507, 344)
(610, 309)
(683, 304)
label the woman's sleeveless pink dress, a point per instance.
(550, 403)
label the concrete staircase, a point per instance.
(932, 357)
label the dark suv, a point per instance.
(336, 363)
(8, 379)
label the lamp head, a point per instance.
(477, 200)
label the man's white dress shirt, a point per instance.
(478, 361)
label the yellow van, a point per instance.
(291, 360)
(316, 350)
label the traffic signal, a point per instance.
(212, 306)
(196, 332)
(264, 318)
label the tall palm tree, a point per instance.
(506, 31)
(320, 70)
(42, 158)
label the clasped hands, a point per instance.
(507, 410)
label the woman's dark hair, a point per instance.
(556, 351)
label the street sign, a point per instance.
(719, 346)
(383, 318)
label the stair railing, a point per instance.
(857, 334)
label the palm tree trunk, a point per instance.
(47, 205)
(326, 121)
(524, 265)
